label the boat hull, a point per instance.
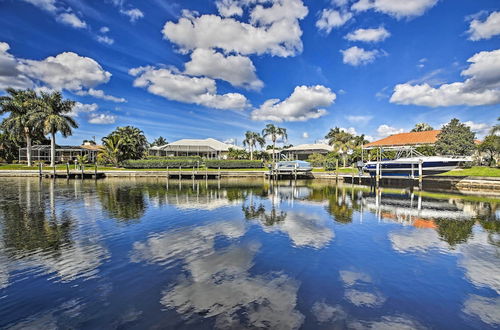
(411, 168)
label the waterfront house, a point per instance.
(64, 154)
(206, 148)
(303, 151)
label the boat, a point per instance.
(298, 166)
(410, 166)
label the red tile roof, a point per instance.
(407, 139)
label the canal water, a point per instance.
(151, 253)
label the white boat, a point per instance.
(410, 166)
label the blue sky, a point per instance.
(196, 69)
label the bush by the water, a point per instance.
(163, 163)
(226, 164)
(195, 158)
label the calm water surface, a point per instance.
(244, 254)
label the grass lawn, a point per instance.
(474, 171)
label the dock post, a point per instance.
(420, 174)
(83, 170)
(192, 174)
(95, 170)
(337, 171)
(40, 169)
(352, 175)
(206, 173)
(180, 175)
(54, 171)
(168, 175)
(218, 176)
(377, 174)
(295, 171)
(67, 170)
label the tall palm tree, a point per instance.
(495, 129)
(111, 151)
(341, 141)
(56, 119)
(251, 140)
(274, 133)
(23, 118)
(160, 141)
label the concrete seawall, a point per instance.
(469, 184)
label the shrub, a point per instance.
(316, 159)
(161, 163)
(195, 158)
(215, 163)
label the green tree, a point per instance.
(111, 152)
(134, 144)
(8, 147)
(237, 154)
(23, 120)
(252, 139)
(455, 139)
(275, 133)
(55, 119)
(341, 141)
(422, 127)
(158, 142)
(490, 147)
(316, 159)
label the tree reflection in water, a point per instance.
(122, 201)
(29, 224)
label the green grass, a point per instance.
(474, 171)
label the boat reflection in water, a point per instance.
(144, 253)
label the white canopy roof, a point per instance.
(198, 144)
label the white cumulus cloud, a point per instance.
(369, 35)
(386, 130)
(105, 40)
(358, 56)
(183, 88)
(330, 19)
(485, 29)
(306, 102)
(10, 75)
(235, 69)
(72, 20)
(82, 108)
(102, 119)
(396, 8)
(47, 5)
(133, 14)
(273, 30)
(482, 87)
(67, 70)
(98, 93)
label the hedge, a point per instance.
(162, 163)
(195, 158)
(225, 164)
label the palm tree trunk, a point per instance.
(274, 157)
(28, 148)
(251, 152)
(53, 149)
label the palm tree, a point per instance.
(111, 153)
(22, 121)
(160, 141)
(56, 119)
(134, 143)
(251, 140)
(422, 127)
(341, 141)
(495, 129)
(274, 133)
